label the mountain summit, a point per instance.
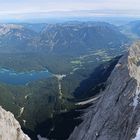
(116, 115)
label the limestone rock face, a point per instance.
(10, 128)
(116, 116)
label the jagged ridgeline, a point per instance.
(73, 53)
(116, 115)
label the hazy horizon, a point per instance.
(20, 10)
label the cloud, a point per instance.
(102, 7)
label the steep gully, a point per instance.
(57, 127)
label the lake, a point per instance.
(9, 76)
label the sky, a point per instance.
(29, 8)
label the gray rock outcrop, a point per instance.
(116, 116)
(10, 128)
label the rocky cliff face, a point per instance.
(10, 128)
(117, 114)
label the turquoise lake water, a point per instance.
(21, 78)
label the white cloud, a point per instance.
(102, 7)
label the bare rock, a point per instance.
(10, 129)
(117, 114)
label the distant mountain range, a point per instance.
(80, 36)
(132, 29)
(65, 37)
(14, 38)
